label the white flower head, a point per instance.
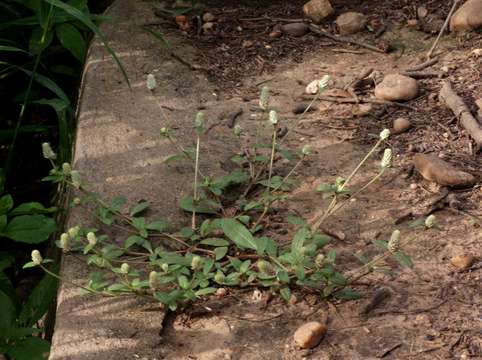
(36, 257)
(66, 168)
(75, 177)
(165, 267)
(384, 134)
(65, 242)
(153, 280)
(430, 221)
(196, 262)
(73, 232)
(47, 152)
(386, 159)
(76, 201)
(320, 260)
(238, 130)
(306, 150)
(91, 238)
(151, 82)
(394, 242)
(124, 269)
(273, 117)
(264, 98)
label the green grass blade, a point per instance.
(88, 22)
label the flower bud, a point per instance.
(386, 159)
(91, 238)
(65, 242)
(394, 242)
(36, 257)
(76, 201)
(164, 131)
(320, 260)
(153, 280)
(273, 117)
(384, 134)
(124, 269)
(264, 98)
(264, 266)
(66, 168)
(151, 82)
(47, 152)
(73, 232)
(430, 221)
(238, 130)
(196, 262)
(306, 150)
(165, 267)
(219, 277)
(75, 177)
(199, 122)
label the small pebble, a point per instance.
(413, 186)
(463, 261)
(309, 334)
(208, 17)
(401, 125)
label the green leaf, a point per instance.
(202, 206)
(205, 291)
(331, 257)
(184, 282)
(11, 49)
(325, 187)
(3, 222)
(117, 203)
(138, 208)
(238, 233)
(220, 252)
(35, 44)
(6, 204)
(79, 15)
(234, 178)
(7, 313)
(283, 276)
(49, 84)
(347, 294)
(285, 293)
(39, 300)
(159, 225)
(72, 40)
(133, 239)
(31, 229)
(32, 208)
(296, 220)
(31, 348)
(299, 239)
(403, 259)
(245, 266)
(215, 242)
(380, 244)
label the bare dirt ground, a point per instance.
(434, 311)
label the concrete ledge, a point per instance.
(119, 152)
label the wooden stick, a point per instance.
(421, 74)
(423, 65)
(320, 32)
(363, 100)
(442, 30)
(448, 97)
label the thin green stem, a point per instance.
(196, 169)
(47, 271)
(29, 89)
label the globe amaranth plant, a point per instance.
(226, 243)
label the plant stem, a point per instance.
(47, 271)
(29, 90)
(196, 169)
(330, 210)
